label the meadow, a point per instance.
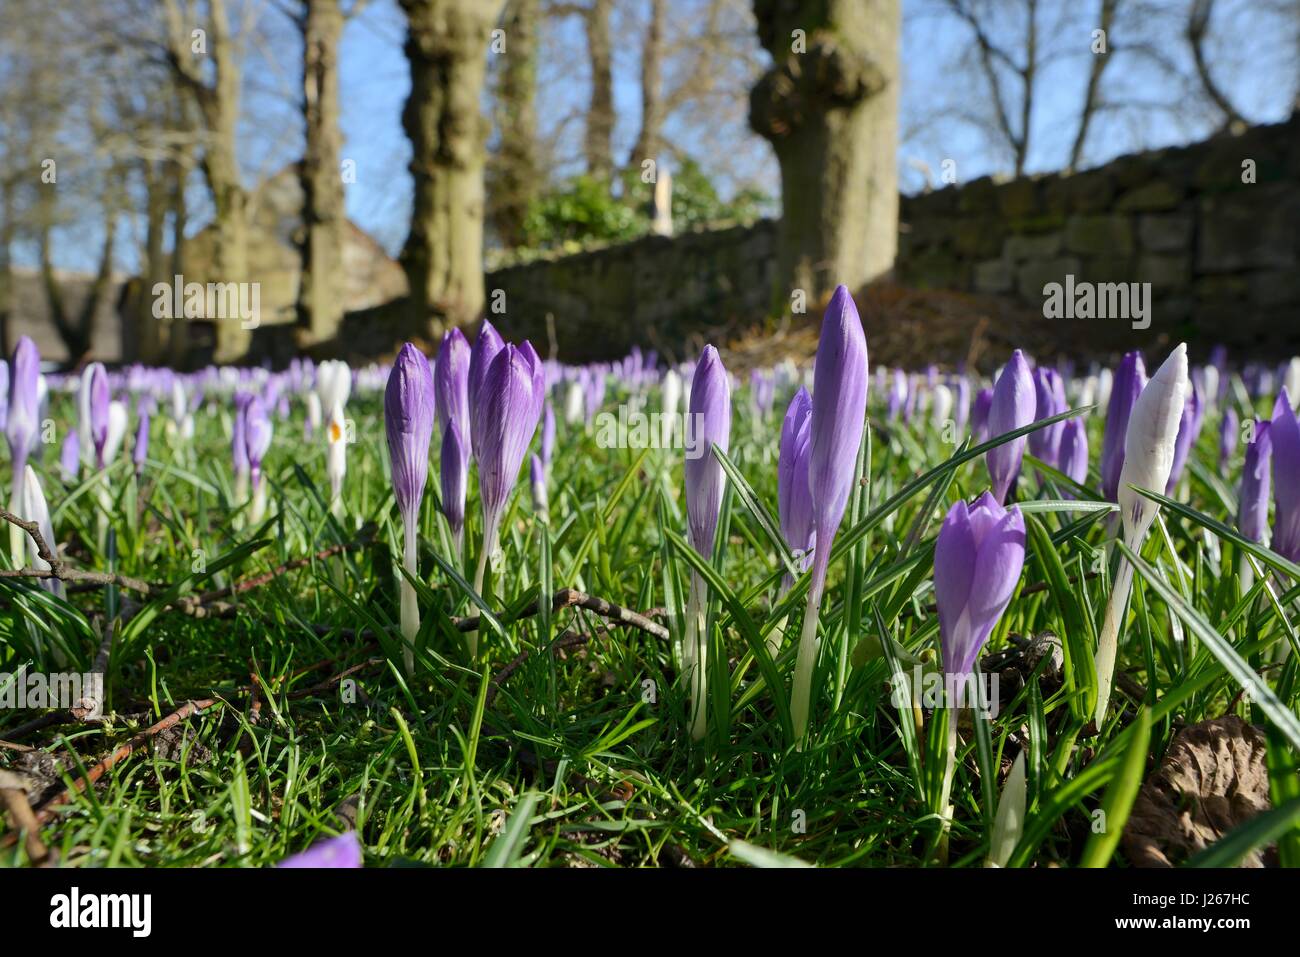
(598, 689)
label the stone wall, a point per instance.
(656, 292)
(1222, 253)
(1222, 256)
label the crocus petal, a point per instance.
(1252, 511)
(451, 382)
(343, 851)
(1285, 434)
(504, 422)
(1126, 386)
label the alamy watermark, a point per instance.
(64, 690)
(634, 429)
(935, 690)
(220, 301)
(1098, 300)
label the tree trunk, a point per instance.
(178, 174)
(7, 227)
(598, 141)
(78, 332)
(148, 341)
(218, 102)
(650, 140)
(514, 170)
(446, 46)
(321, 288)
(831, 114)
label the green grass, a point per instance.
(583, 757)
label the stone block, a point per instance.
(1164, 233)
(1099, 235)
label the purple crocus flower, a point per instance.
(1049, 400)
(506, 418)
(961, 403)
(343, 851)
(1013, 408)
(1074, 451)
(897, 394)
(839, 408)
(978, 557)
(257, 437)
(99, 402)
(451, 382)
(709, 422)
(486, 347)
(454, 475)
(408, 424)
(980, 416)
(537, 479)
(794, 499)
(1228, 429)
(593, 394)
(238, 445)
(1189, 427)
(23, 422)
(70, 457)
(140, 451)
(1285, 433)
(1128, 383)
(1252, 499)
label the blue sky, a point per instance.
(942, 102)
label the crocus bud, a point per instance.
(1285, 434)
(454, 474)
(70, 457)
(23, 422)
(1049, 400)
(1148, 460)
(99, 403)
(140, 451)
(1074, 451)
(451, 381)
(115, 432)
(1189, 427)
(941, 407)
(672, 397)
(342, 852)
(1252, 499)
(1228, 428)
(505, 419)
(980, 416)
(486, 347)
(839, 409)
(32, 506)
(794, 500)
(978, 557)
(1013, 408)
(537, 479)
(408, 424)
(1125, 388)
(708, 423)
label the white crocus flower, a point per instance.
(33, 507)
(574, 401)
(1148, 460)
(1291, 379)
(333, 386)
(672, 397)
(313, 413)
(85, 441)
(941, 406)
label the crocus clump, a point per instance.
(839, 409)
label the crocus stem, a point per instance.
(806, 661)
(945, 790)
(490, 533)
(1108, 644)
(410, 606)
(697, 648)
(17, 543)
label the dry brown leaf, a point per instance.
(1213, 778)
